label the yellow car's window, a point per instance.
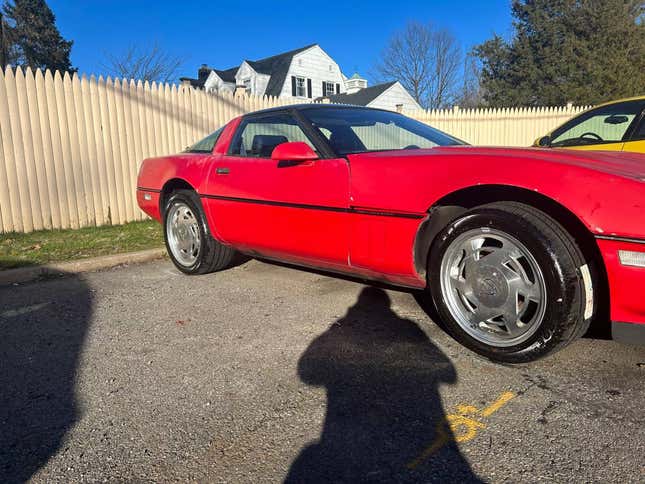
(607, 124)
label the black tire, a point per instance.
(560, 261)
(211, 255)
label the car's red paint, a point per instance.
(361, 214)
(415, 180)
(308, 235)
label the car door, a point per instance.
(603, 128)
(295, 211)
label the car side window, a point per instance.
(257, 137)
(607, 124)
(205, 145)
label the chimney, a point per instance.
(203, 71)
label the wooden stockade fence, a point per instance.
(70, 146)
(498, 127)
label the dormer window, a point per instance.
(247, 85)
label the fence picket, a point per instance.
(41, 142)
(88, 147)
(9, 202)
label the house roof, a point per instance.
(202, 75)
(362, 97)
(277, 67)
(227, 75)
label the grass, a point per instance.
(45, 246)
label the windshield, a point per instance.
(357, 130)
(205, 145)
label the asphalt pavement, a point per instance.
(264, 373)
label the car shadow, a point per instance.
(382, 375)
(43, 327)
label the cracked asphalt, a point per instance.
(264, 373)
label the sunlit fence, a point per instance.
(497, 127)
(70, 146)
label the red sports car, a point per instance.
(520, 249)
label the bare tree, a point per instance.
(426, 62)
(142, 63)
(471, 95)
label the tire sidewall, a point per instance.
(561, 276)
(193, 202)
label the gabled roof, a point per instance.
(362, 97)
(277, 67)
(227, 75)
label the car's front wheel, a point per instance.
(510, 283)
(188, 240)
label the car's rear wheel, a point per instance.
(510, 283)
(189, 243)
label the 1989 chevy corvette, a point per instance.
(519, 248)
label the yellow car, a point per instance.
(613, 126)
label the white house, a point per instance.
(389, 95)
(308, 73)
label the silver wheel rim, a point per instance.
(182, 233)
(493, 287)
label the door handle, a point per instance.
(221, 170)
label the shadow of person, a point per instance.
(43, 326)
(382, 374)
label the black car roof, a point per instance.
(309, 106)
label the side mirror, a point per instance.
(544, 141)
(293, 151)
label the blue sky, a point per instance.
(222, 34)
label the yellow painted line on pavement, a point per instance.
(503, 399)
(461, 426)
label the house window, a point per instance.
(247, 85)
(328, 88)
(301, 87)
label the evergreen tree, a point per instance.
(33, 38)
(580, 51)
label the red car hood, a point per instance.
(620, 163)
